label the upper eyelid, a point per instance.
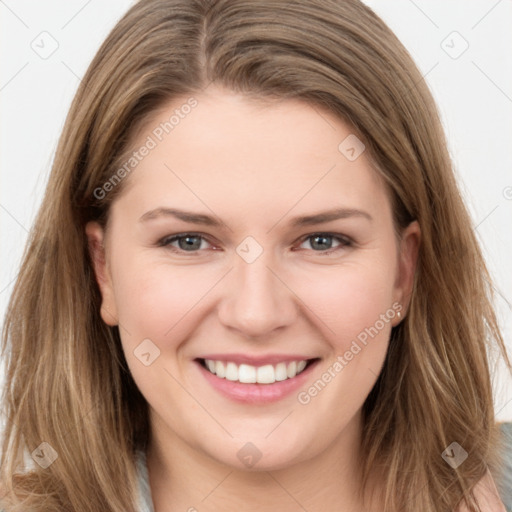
(339, 236)
(185, 234)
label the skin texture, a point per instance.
(487, 496)
(255, 167)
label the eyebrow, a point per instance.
(207, 220)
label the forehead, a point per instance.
(269, 155)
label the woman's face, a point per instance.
(287, 257)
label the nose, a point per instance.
(257, 301)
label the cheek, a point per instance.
(159, 303)
(154, 299)
(350, 299)
(356, 311)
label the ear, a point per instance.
(95, 239)
(407, 259)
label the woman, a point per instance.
(178, 321)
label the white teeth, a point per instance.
(280, 371)
(265, 374)
(220, 369)
(248, 374)
(292, 369)
(231, 371)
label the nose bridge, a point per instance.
(258, 302)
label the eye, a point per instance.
(323, 242)
(186, 242)
(195, 242)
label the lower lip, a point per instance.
(257, 393)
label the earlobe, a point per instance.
(95, 240)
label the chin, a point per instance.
(254, 456)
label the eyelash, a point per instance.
(343, 239)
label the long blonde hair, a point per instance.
(67, 382)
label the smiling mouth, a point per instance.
(248, 374)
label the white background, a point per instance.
(473, 91)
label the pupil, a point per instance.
(188, 243)
(323, 239)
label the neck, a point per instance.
(187, 479)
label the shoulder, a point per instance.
(486, 495)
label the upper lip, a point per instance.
(257, 360)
